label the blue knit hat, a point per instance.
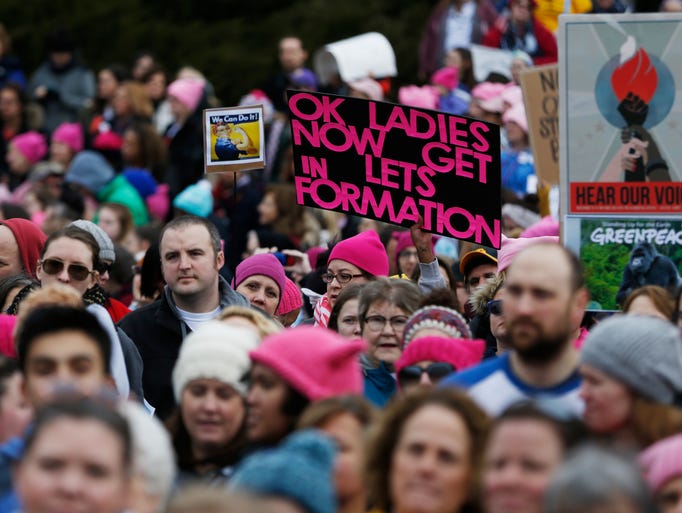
(141, 179)
(91, 170)
(196, 199)
(300, 469)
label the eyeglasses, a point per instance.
(377, 322)
(328, 277)
(105, 268)
(495, 307)
(413, 373)
(76, 271)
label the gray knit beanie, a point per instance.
(106, 245)
(645, 353)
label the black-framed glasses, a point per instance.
(377, 322)
(413, 373)
(495, 307)
(105, 267)
(76, 272)
(328, 277)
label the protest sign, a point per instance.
(233, 139)
(366, 55)
(620, 129)
(489, 60)
(541, 97)
(395, 163)
(619, 255)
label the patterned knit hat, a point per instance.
(447, 320)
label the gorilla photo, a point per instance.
(647, 267)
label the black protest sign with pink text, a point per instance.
(395, 163)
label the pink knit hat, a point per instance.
(510, 247)
(405, 241)
(425, 97)
(512, 95)
(368, 86)
(489, 96)
(291, 298)
(31, 145)
(662, 462)
(545, 226)
(158, 203)
(265, 264)
(458, 352)
(365, 251)
(517, 114)
(315, 361)
(447, 77)
(70, 134)
(188, 91)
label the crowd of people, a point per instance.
(178, 342)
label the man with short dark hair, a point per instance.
(61, 346)
(544, 298)
(191, 258)
(58, 348)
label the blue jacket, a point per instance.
(380, 385)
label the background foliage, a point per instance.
(232, 42)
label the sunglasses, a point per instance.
(76, 272)
(495, 307)
(413, 373)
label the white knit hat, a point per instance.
(215, 350)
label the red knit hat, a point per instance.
(458, 352)
(315, 361)
(365, 251)
(291, 298)
(30, 240)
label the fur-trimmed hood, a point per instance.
(480, 297)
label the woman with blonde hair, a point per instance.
(251, 318)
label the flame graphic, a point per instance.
(635, 74)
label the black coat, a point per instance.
(158, 331)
